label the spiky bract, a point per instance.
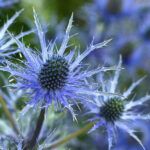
(6, 42)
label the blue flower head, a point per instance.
(51, 75)
(6, 43)
(118, 9)
(113, 112)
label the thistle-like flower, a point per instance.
(50, 74)
(113, 112)
(6, 43)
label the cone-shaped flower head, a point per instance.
(50, 74)
(114, 112)
(54, 73)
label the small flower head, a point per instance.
(112, 109)
(52, 75)
(114, 112)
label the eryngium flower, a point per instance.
(113, 112)
(5, 42)
(50, 74)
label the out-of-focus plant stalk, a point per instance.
(70, 136)
(9, 116)
(31, 142)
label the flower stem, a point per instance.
(70, 136)
(9, 116)
(30, 144)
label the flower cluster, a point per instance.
(126, 21)
(55, 78)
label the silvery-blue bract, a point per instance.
(6, 42)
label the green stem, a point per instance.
(31, 143)
(9, 116)
(70, 136)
